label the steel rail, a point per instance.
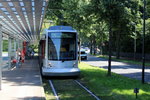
(54, 90)
(97, 98)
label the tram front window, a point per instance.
(62, 46)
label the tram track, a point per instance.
(55, 90)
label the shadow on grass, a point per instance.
(60, 77)
(32, 98)
(116, 87)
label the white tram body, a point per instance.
(58, 51)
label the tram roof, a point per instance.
(60, 28)
(22, 18)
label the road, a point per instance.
(5, 60)
(129, 70)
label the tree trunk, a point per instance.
(79, 50)
(134, 48)
(110, 46)
(91, 45)
(94, 41)
(118, 46)
(101, 50)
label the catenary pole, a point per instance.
(1, 56)
(143, 44)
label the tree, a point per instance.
(95, 20)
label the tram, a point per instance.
(58, 52)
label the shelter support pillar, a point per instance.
(21, 43)
(17, 44)
(1, 47)
(9, 52)
(15, 47)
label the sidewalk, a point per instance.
(22, 83)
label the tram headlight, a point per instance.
(49, 64)
(74, 64)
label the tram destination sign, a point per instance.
(62, 35)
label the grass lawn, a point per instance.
(116, 87)
(48, 91)
(125, 60)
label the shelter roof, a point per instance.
(22, 18)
